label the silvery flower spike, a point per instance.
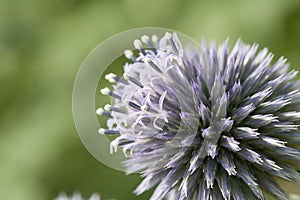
(210, 124)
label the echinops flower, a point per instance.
(208, 124)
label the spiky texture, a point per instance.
(206, 125)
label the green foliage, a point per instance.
(42, 44)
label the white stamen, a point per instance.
(145, 39)
(128, 54)
(155, 125)
(161, 100)
(114, 145)
(111, 77)
(144, 108)
(155, 38)
(147, 60)
(99, 111)
(137, 44)
(168, 35)
(105, 91)
(101, 131)
(125, 75)
(107, 107)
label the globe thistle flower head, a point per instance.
(209, 124)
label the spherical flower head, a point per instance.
(209, 124)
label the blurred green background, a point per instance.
(42, 44)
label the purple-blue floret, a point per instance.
(205, 124)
